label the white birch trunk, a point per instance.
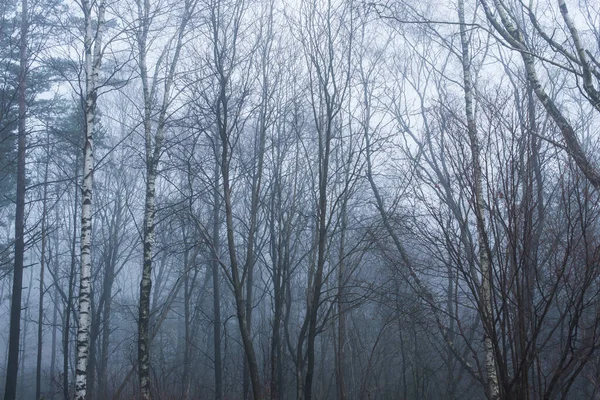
(93, 58)
(146, 288)
(485, 295)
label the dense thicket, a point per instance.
(300, 199)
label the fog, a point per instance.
(273, 199)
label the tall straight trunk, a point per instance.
(54, 337)
(485, 295)
(450, 364)
(149, 214)
(297, 353)
(71, 289)
(38, 369)
(283, 298)
(216, 286)
(248, 302)
(146, 287)
(235, 271)
(256, 187)
(258, 173)
(327, 99)
(66, 339)
(93, 342)
(276, 339)
(341, 339)
(27, 318)
(111, 256)
(171, 298)
(103, 368)
(223, 114)
(10, 389)
(315, 295)
(187, 337)
(185, 378)
(153, 137)
(277, 260)
(54, 312)
(93, 58)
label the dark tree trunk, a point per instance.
(10, 390)
(216, 287)
(38, 369)
(69, 298)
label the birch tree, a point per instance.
(578, 60)
(486, 287)
(157, 96)
(93, 51)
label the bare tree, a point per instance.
(577, 60)
(329, 71)
(154, 123)
(229, 63)
(486, 287)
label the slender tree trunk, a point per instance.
(10, 389)
(69, 300)
(276, 388)
(297, 353)
(38, 369)
(156, 328)
(146, 287)
(235, 273)
(327, 98)
(92, 359)
(185, 378)
(216, 286)
(93, 53)
(54, 335)
(401, 327)
(153, 148)
(187, 337)
(315, 296)
(280, 243)
(256, 187)
(248, 302)
(103, 370)
(450, 364)
(257, 178)
(276, 259)
(54, 312)
(486, 305)
(53, 250)
(149, 212)
(27, 318)
(223, 114)
(66, 339)
(104, 308)
(341, 339)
